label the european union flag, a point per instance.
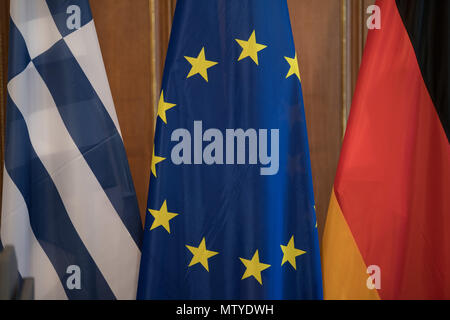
(231, 210)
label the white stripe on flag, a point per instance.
(31, 258)
(36, 24)
(92, 214)
(85, 48)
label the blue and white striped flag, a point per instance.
(69, 205)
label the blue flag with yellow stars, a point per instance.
(231, 211)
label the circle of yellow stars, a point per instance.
(162, 217)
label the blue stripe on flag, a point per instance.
(58, 9)
(19, 57)
(93, 131)
(48, 217)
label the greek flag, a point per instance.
(69, 205)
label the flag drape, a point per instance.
(69, 205)
(231, 210)
(390, 206)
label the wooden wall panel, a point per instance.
(133, 35)
(123, 29)
(161, 15)
(317, 33)
(356, 31)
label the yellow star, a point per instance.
(254, 267)
(162, 217)
(155, 161)
(250, 48)
(163, 106)
(293, 62)
(200, 65)
(201, 255)
(290, 253)
(314, 212)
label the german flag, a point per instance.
(390, 207)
